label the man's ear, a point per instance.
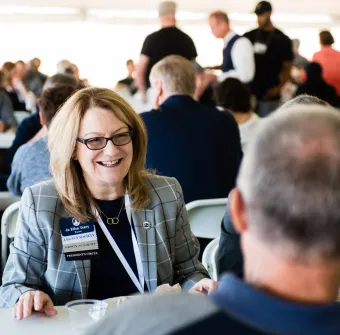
(41, 119)
(158, 90)
(238, 211)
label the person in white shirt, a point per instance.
(233, 96)
(238, 55)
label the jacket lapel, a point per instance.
(144, 224)
(83, 269)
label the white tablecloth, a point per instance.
(40, 324)
(37, 324)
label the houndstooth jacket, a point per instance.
(168, 248)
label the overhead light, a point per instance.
(123, 14)
(242, 17)
(15, 10)
(284, 18)
(141, 14)
(192, 16)
(298, 18)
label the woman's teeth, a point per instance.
(110, 163)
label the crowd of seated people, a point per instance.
(85, 159)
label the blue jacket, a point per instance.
(25, 131)
(195, 143)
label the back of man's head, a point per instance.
(167, 8)
(60, 78)
(290, 184)
(177, 75)
(52, 99)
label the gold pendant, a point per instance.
(112, 221)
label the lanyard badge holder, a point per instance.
(139, 282)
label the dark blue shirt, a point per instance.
(108, 276)
(243, 309)
(196, 144)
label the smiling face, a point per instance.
(104, 170)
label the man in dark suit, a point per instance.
(195, 143)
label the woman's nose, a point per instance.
(110, 148)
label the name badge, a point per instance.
(79, 240)
(260, 48)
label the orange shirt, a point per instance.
(329, 59)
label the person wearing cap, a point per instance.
(329, 59)
(238, 57)
(273, 60)
(169, 40)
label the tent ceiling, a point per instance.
(330, 7)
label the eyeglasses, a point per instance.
(97, 143)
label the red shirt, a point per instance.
(329, 59)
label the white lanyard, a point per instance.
(139, 283)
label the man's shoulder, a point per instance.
(33, 148)
(29, 122)
(181, 32)
(174, 311)
(280, 34)
(251, 33)
(155, 35)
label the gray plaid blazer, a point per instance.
(168, 249)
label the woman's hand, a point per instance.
(204, 287)
(33, 301)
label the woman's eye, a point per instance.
(94, 140)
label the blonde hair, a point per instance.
(177, 74)
(220, 16)
(67, 173)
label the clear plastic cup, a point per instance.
(84, 313)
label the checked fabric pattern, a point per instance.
(168, 248)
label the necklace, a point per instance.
(113, 220)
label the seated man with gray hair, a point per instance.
(286, 209)
(197, 144)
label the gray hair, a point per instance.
(304, 99)
(290, 182)
(177, 75)
(167, 8)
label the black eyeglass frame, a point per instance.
(84, 141)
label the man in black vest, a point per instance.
(238, 55)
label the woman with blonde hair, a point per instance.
(103, 226)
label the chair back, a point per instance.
(21, 115)
(205, 217)
(210, 258)
(8, 226)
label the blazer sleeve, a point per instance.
(26, 263)
(187, 268)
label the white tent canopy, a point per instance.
(288, 12)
